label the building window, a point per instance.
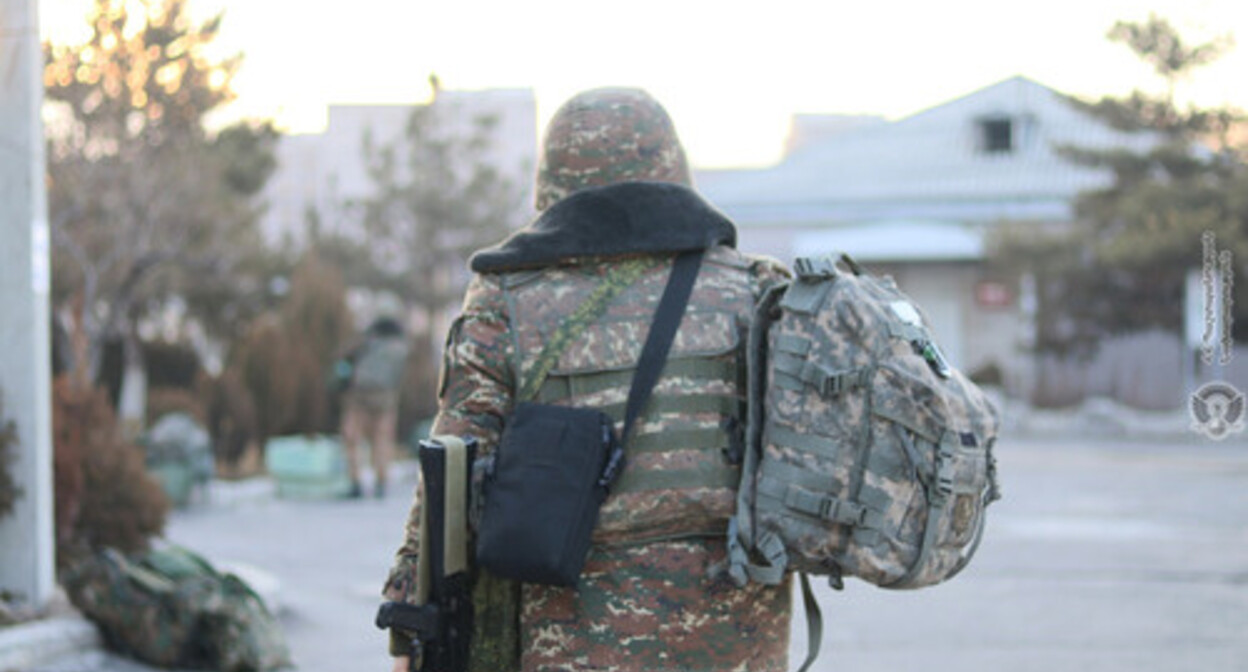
(996, 135)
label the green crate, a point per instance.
(310, 467)
(177, 480)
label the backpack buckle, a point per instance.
(843, 512)
(615, 463)
(819, 267)
(830, 386)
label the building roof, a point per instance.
(893, 241)
(932, 165)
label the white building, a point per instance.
(325, 170)
(914, 198)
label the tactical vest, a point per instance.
(682, 465)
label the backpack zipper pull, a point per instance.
(934, 357)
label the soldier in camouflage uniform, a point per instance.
(613, 185)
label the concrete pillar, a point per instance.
(27, 563)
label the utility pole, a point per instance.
(27, 562)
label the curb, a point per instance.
(1100, 419)
(40, 642)
(246, 491)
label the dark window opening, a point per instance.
(997, 135)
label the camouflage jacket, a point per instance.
(646, 600)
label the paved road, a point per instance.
(1106, 556)
(1102, 556)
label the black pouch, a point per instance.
(552, 471)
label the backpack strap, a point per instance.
(740, 534)
(775, 557)
(814, 624)
(938, 494)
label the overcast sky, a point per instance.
(731, 73)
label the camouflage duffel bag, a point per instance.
(867, 454)
(171, 608)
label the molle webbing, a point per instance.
(787, 487)
(708, 438)
(794, 345)
(661, 405)
(713, 476)
(565, 386)
(793, 370)
(826, 448)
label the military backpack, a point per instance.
(867, 455)
(169, 607)
(379, 368)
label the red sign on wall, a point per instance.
(993, 294)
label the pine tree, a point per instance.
(1121, 266)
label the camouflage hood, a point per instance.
(619, 219)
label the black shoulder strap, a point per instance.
(667, 319)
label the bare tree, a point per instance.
(437, 197)
(141, 195)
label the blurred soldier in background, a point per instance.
(372, 374)
(613, 184)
